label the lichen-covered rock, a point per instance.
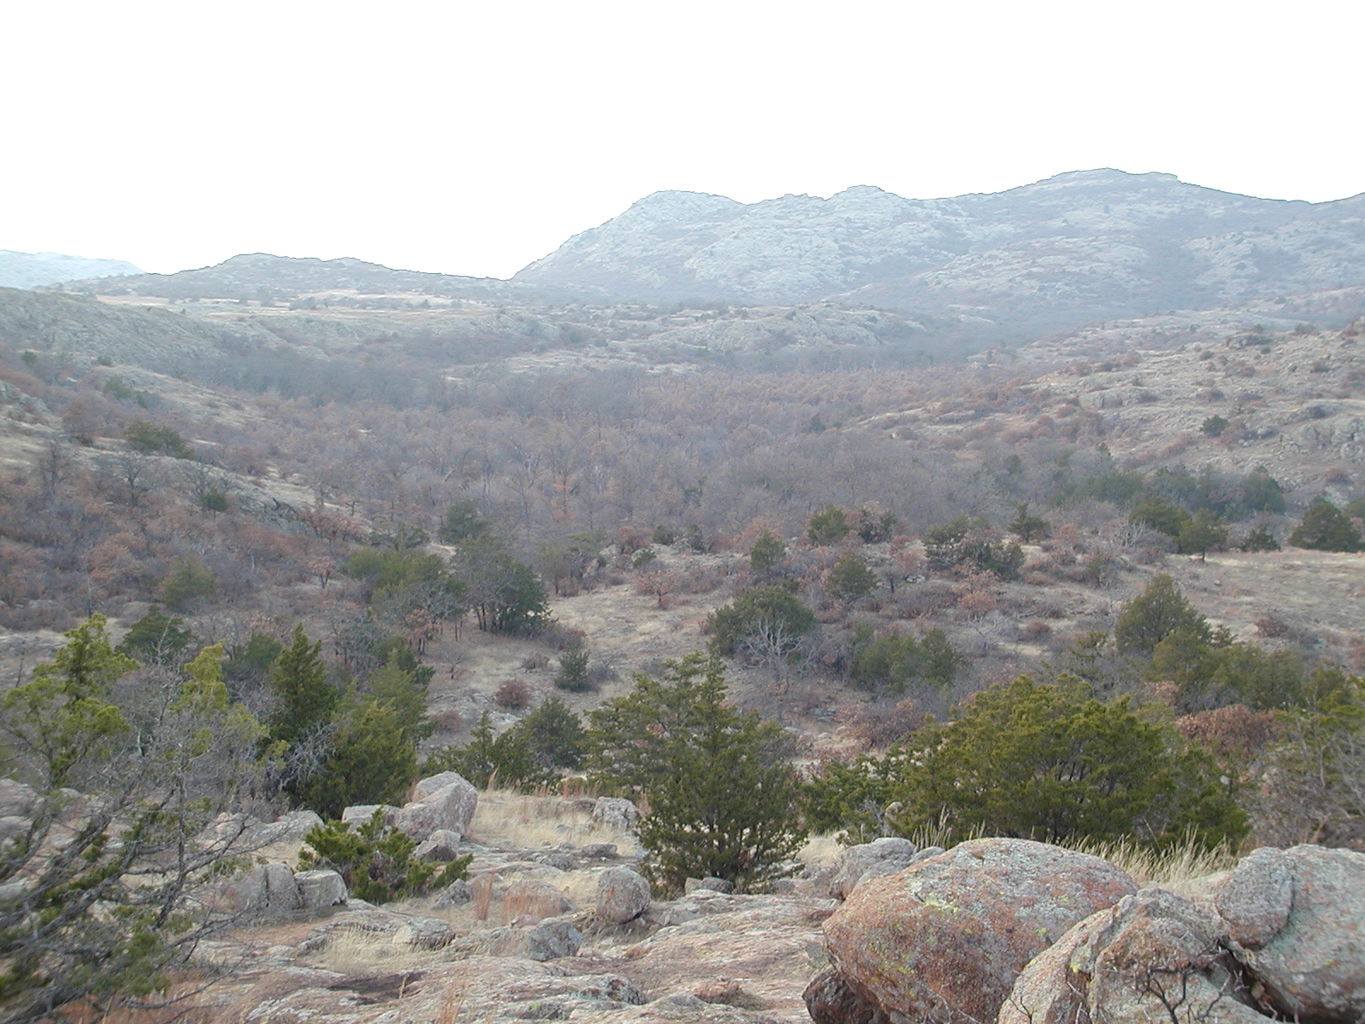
(1256, 897)
(622, 895)
(1313, 967)
(883, 856)
(615, 812)
(424, 933)
(357, 815)
(1153, 957)
(552, 939)
(446, 801)
(266, 891)
(829, 1000)
(453, 895)
(320, 888)
(442, 845)
(944, 939)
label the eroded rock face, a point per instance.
(615, 812)
(266, 891)
(943, 940)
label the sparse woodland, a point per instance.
(1037, 595)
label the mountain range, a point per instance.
(1074, 249)
(36, 269)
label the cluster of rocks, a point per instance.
(1019, 932)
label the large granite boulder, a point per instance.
(440, 802)
(883, 856)
(1296, 919)
(943, 940)
(267, 891)
(615, 812)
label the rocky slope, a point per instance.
(1077, 247)
(35, 269)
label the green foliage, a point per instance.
(187, 582)
(1214, 425)
(376, 860)
(850, 578)
(573, 671)
(721, 786)
(401, 582)
(1221, 672)
(307, 699)
(1158, 611)
(1200, 533)
(875, 525)
(1326, 528)
(1053, 763)
(156, 638)
(100, 897)
(250, 662)
(1260, 539)
(507, 596)
(1261, 492)
(754, 609)
(1161, 515)
(213, 500)
(151, 439)
(967, 542)
(1028, 527)
(401, 685)
(555, 735)
(767, 551)
(369, 760)
(509, 759)
(890, 662)
(463, 522)
(828, 526)
(854, 798)
(398, 536)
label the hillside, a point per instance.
(36, 269)
(1078, 247)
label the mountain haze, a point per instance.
(1079, 246)
(35, 269)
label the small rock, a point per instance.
(424, 933)
(552, 939)
(355, 816)
(529, 899)
(599, 851)
(452, 895)
(622, 895)
(267, 890)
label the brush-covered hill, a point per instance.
(36, 269)
(1074, 248)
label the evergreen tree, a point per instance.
(767, 551)
(850, 579)
(1159, 610)
(720, 783)
(1326, 528)
(370, 760)
(758, 608)
(307, 700)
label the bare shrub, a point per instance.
(513, 694)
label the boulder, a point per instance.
(17, 800)
(552, 939)
(290, 828)
(829, 1000)
(622, 895)
(443, 802)
(267, 891)
(883, 856)
(1309, 954)
(321, 888)
(453, 895)
(442, 845)
(616, 813)
(944, 939)
(424, 933)
(355, 816)
(1153, 957)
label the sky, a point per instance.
(472, 138)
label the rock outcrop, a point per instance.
(944, 939)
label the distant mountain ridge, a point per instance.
(37, 269)
(250, 275)
(1076, 247)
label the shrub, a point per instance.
(1326, 528)
(376, 860)
(187, 582)
(1154, 614)
(850, 579)
(513, 694)
(573, 671)
(150, 439)
(968, 543)
(890, 662)
(721, 785)
(767, 551)
(828, 526)
(756, 609)
(509, 759)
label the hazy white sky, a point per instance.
(473, 138)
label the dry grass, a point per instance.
(356, 951)
(1171, 867)
(526, 821)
